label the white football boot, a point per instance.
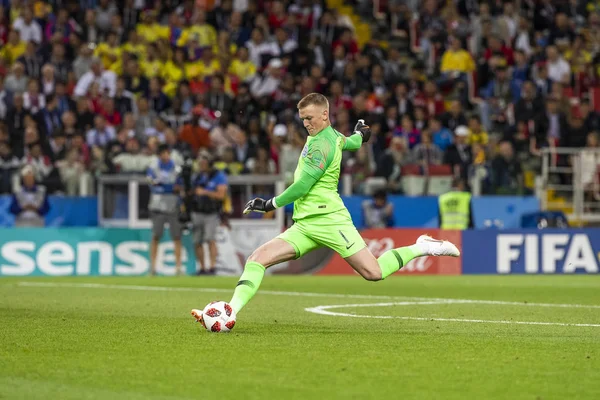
(435, 247)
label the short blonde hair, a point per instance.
(316, 99)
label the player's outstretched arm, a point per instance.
(362, 134)
(317, 159)
(296, 190)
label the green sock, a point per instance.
(247, 285)
(392, 260)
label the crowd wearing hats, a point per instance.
(96, 86)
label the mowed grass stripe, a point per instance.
(299, 294)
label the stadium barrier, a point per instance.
(125, 252)
(502, 211)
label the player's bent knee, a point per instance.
(372, 275)
(260, 256)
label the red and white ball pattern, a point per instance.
(218, 316)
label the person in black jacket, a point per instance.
(459, 155)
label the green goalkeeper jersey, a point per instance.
(321, 158)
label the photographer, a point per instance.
(209, 188)
(164, 204)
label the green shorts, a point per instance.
(334, 230)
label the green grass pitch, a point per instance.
(133, 338)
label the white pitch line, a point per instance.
(300, 294)
(322, 310)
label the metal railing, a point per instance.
(572, 177)
(123, 199)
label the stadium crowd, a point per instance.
(97, 85)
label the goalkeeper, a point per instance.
(320, 217)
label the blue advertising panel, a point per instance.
(503, 210)
(531, 251)
(64, 211)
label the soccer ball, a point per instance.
(218, 316)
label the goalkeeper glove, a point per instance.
(259, 205)
(363, 129)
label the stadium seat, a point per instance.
(440, 179)
(595, 98)
(374, 183)
(413, 181)
(439, 170)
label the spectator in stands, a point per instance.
(32, 61)
(558, 69)
(16, 81)
(261, 163)
(4, 100)
(175, 117)
(229, 162)
(13, 48)
(550, 126)
(146, 118)
(459, 155)
(390, 164)
(476, 132)
(498, 47)
(290, 150)
(28, 28)
(590, 161)
(426, 152)
(102, 134)
(223, 134)
(96, 73)
(576, 133)
(132, 160)
(267, 84)
(408, 132)
(48, 118)
(442, 136)
(180, 151)
(520, 141)
(98, 165)
(40, 162)
(456, 63)
(507, 176)
(194, 134)
(29, 203)
(9, 165)
(431, 99)
(420, 119)
(497, 95)
(378, 212)
(529, 105)
(455, 116)
(71, 169)
(33, 100)
(58, 145)
(360, 167)
(591, 119)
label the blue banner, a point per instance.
(531, 251)
(409, 212)
(86, 252)
(502, 211)
(64, 211)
